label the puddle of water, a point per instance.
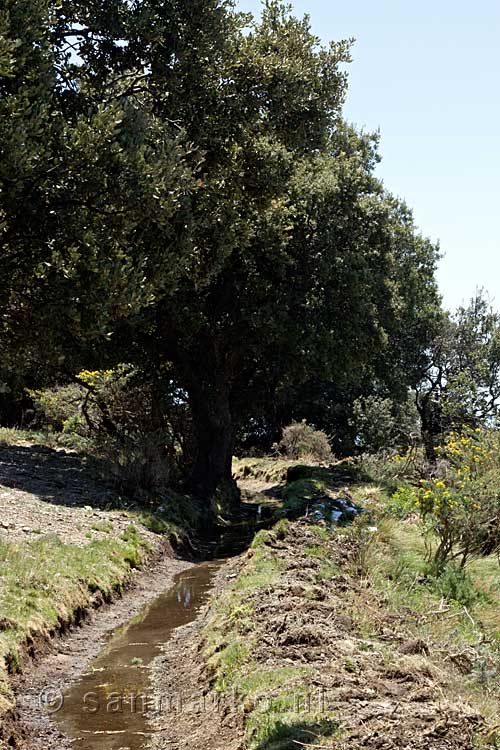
(107, 706)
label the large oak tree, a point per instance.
(179, 188)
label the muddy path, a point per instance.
(65, 659)
(188, 714)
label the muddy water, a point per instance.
(107, 707)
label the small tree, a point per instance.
(460, 383)
(380, 423)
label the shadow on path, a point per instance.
(53, 475)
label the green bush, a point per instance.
(454, 584)
(381, 423)
(59, 408)
(390, 467)
(403, 502)
(115, 411)
(300, 440)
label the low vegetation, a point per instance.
(300, 440)
(47, 585)
(359, 615)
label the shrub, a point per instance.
(300, 440)
(137, 463)
(115, 411)
(390, 467)
(455, 585)
(462, 508)
(403, 502)
(57, 407)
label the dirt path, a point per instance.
(48, 491)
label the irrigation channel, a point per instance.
(109, 706)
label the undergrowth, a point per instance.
(453, 614)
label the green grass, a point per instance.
(105, 527)
(460, 610)
(264, 567)
(44, 582)
(229, 636)
(285, 723)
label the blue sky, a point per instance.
(427, 74)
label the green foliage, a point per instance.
(116, 412)
(300, 440)
(455, 585)
(381, 423)
(386, 468)
(460, 381)
(178, 190)
(403, 501)
(463, 508)
(59, 408)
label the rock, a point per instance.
(416, 646)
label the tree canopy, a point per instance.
(179, 189)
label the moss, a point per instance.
(106, 527)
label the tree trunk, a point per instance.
(425, 410)
(211, 477)
(429, 447)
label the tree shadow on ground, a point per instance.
(54, 475)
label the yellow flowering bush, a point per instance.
(94, 378)
(115, 415)
(462, 507)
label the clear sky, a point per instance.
(427, 74)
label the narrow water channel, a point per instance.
(107, 707)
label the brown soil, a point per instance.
(47, 491)
(385, 691)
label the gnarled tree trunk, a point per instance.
(211, 475)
